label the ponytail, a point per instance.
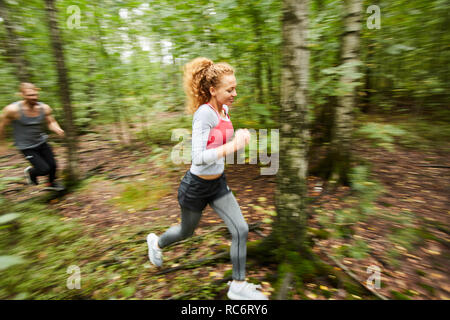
(199, 75)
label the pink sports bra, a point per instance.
(220, 134)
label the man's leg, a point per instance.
(47, 154)
(40, 166)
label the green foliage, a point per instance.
(340, 222)
(424, 134)
(381, 135)
(334, 74)
(359, 249)
(366, 189)
(399, 296)
(8, 218)
(247, 114)
(9, 261)
(365, 193)
(405, 237)
(5, 180)
(141, 195)
(161, 133)
(42, 249)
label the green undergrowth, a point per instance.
(359, 207)
(313, 277)
(42, 252)
(162, 132)
(140, 195)
(405, 233)
(411, 132)
(47, 247)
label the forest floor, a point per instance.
(130, 192)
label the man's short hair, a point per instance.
(26, 85)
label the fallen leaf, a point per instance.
(437, 276)
(311, 295)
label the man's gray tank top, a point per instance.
(27, 131)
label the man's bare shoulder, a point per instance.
(11, 110)
(46, 108)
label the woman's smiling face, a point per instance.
(225, 92)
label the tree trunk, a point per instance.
(255, 15)
(270, 90)
(341, 143)
(289, 229)
(14, 49)
(368, 80)
(119, 127)
(64, 92)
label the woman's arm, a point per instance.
(240, 140)
(204, 120)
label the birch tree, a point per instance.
(289, 227)
(341, 141)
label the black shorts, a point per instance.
(195, 193)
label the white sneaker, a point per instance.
(54, 186)
(28, 176)
(154, 253)
(245, 291)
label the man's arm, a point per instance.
(51, 122)
(5, 119)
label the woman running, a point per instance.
(210, 90)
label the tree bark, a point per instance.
(289, 229)
(270, 90)
(14, 49)
(259, 51)
(64, 92)
(119, 127)
(341, 142)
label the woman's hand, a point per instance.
(241, 138)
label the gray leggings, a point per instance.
(228, 209)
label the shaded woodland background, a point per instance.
(112, 72)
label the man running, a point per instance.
(27, 118)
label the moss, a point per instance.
(283, 269)
(228, 273)
(420, 273)
(263, 251)
(399, 296)
(351, 287)
(430, 289)
(319, 233)
(138, 196)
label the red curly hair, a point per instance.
(201, 74)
